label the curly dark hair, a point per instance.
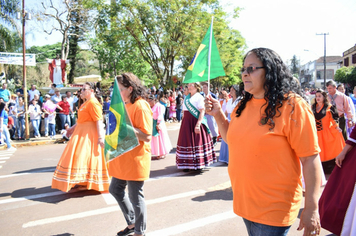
(278, 86)
(130, 80)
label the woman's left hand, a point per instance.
(101, 142)
(309, 220)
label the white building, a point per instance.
(312, 73)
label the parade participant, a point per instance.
(82, 164)
(235, 93)
(160, 143)
(133, 168)
(195, 149)
(337, 204)
(341, 88)
(330, 137)
(57, 70)
(211, 121)
(272, 131)
(339, 100)
(172, 107)
(35, 117)
(20, 115)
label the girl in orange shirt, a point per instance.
(133, 168)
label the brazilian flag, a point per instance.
(120, 136)
(198, 68)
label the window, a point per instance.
(354, 58)
(346, 61)
(329, 74)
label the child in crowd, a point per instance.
(52, 124)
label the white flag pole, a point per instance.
(209, 57)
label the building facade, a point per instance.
(349, 57)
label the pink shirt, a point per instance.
(340, 100)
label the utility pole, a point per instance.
(324, 57)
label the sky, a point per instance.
(287, 27)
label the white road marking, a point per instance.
(178, 229)
(4, 158)
(30, 197)
(2, 162)
(27, 173)
(106, 210)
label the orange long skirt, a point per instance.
(82, 162)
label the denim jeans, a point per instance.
(20, 126)
(46, 125)
(35, 125)
(179, 114)
(133, 206)
(6, 137)
(52, 129)
(64, 119)
(257, 229)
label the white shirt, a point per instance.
(197, 100)
(71, 100)
(35, 112)
(32, 94)
(230, 106)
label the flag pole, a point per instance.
(209, 57)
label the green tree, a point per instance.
(169, 32)
(346, 75)
(294, 65)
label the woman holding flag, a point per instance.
(195, 149)
(132, 168)
(82, 163)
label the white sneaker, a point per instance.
(11, 149)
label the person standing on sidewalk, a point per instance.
(35, 116)
(133, 168)
(5, 135)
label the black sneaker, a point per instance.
(126, 231)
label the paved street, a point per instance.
(178, 203)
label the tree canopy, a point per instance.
(346, 75)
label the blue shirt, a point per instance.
(5, 94)
(5, 117)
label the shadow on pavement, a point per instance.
(37, 170)
(65, 234)
(47, 194)
(224, 194)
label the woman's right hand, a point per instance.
(212, 106)
(339, 159)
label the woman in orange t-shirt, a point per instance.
(272, 131)
(133, 168)
(82, 163)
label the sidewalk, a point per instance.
(33, 142)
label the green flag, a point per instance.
(120, 136)
(198, 68)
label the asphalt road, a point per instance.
(178, 203)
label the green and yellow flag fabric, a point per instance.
(199, 66)
(120, 136)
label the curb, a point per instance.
(30, 142)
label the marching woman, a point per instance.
(82, 164)
(195, 149)
(330, 138)
(235, 93)
(160, 143)
(337, 204)
(133, 167)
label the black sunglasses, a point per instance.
(251, 69)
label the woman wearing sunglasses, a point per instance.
(272, 131)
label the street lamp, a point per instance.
(25, 16)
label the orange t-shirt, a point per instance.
(135, 165)
(91, 110)
(264, 165)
